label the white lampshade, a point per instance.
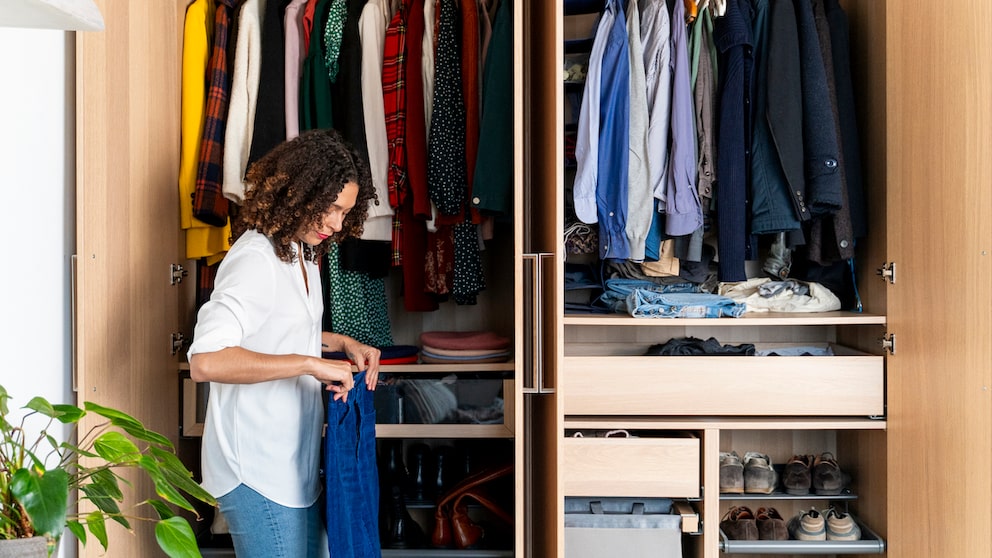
(70, 15)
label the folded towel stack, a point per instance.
(464, 347)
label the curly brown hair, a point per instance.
(292, 186)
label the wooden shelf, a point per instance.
(724, 423)
(751, 319)
(442, 431)
(431, 368)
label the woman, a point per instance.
(258, 341)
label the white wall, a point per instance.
(37, 226)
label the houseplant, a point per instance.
(39, 475)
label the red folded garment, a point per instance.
(460, 340)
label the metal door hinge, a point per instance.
(888, 343)
(887, 271)
(177, 339)
(177, 272)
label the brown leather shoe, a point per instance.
(827, 476)
(739, 524)
(771, 525)
(796, 478)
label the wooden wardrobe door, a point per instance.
(939, 150)
(127, 161)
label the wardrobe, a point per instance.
(919, 449)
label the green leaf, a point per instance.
(179, 476)
(44, 497)
(96, 525)
(176, 538)
(4, 397)
(41, 405)
(107, 481)
(163, 510)
(68, 414)
(116, 447)
(78, 530)
(100, 498)
(129, 424)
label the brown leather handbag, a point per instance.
(452, 525)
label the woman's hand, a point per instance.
(335, 374)
(365, 358)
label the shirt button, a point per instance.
(844, 243)
(611, 214)
(476, 200)
(830, 163)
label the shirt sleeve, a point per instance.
(240, 303)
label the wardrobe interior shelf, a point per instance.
(435, 553)
(723, 423)
(870, 543)
(434, 431)
(447, 368)
(840, 317)
(844, 496)
(431, 368)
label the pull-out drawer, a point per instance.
(636, 467)
(851, 384)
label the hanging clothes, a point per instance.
(269, 128)
(614, 134)
(209, 203)
(492, 185)
(244, 98)
(732, 36)
(294, 53)
(639, 193)
(372, 31)
(202, 239)
(683, 214)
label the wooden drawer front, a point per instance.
(774, 385)
(666, 467)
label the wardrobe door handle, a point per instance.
(73, 342)
(532, 323)
(544, 258)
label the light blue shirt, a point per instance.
(587, 135)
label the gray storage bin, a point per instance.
(628, 527)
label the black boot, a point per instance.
(398, 529)
(449, 470)
(421, 471)
(392, 470)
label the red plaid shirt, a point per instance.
(209, 203)
(394, 103)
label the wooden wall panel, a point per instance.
(128, 100)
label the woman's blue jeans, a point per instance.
(260, 528)
(352, 476)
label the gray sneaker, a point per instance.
(759, 476)
(731, 473)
